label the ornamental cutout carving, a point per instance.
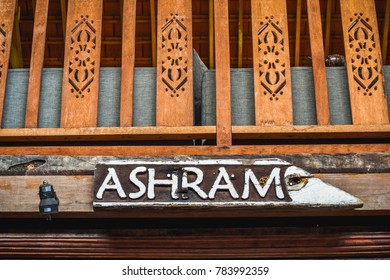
(174, 49)
(2, 48)
(272, 66)
(82, 48)
(364, 60)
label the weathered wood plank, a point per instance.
(222, 66)
(7, 11)
(18, 194)
(81, 64)
(85, 165)
(271, 63)
(161, 150)
(318, 62)
(195, 132)
(174, 97)
(364, 62)
(36, 64)
(128, 59)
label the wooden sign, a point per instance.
(212, 183)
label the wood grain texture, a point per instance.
(36, 64)
(196, 238)
(81, 64)
(7, 11)
(271, 63)
(364, 62)
(152, 150)
(128, 59)
(222, 67)
(193, 132)
(318, 62)
(174, 96)
(18, 194)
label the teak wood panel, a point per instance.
(36, 65)
(174, 97)
(128, 58)
(7, 12)
(271, 63)
(364, 62)
(222, 66)
(82, 62)
(318, 62)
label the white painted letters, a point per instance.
(194, 185)
(152, 182)
(250, 177)
(218, 186)
(133, 178)
(107, 185)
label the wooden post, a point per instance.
(63, 17)
(16, 56)
(240, 31)
(222, 56)
(81, 64)
(328, 25)
(318, 62)
(298, 32)
(128, 58)
(36, 65)
(364, 62)
(7, 12)
(385, 40)
(211, 34)
(153, 32)
(271, 63)
(174, 100)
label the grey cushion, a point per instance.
(304, 110)
(144, 99)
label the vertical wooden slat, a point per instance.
(240, 31)
(16, 55)
(7, 11)
(385, 40)
(298, 33)
(81, 64)
(222, 59)
(318, 62)
(328, 25)
(128, 58)
(364, 62)
(271, 63)
(174, 63)
(211, 34)
(153, 32)
(63, 17)
(36, 65)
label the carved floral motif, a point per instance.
(174, 63)
(364, 61)
(82, 47)
(272, 66)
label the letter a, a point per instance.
(111, 177)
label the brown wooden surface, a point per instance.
(196, 238)
(81, 64)
(36, 65)
(128, 58)
(271, 63)
(161, 150)
(364, 62)
(196, 132)
(18, 194)
(7, 11)
(318, 62)
(174, 96)
(222, 66)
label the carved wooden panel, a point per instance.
(7, 11)
(174, 63)
(271, 62)
(364, 62)
(82, 63)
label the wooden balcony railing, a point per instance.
(174, 79)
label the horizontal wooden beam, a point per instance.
(19, 198)
(191, 132)
(127, 150)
